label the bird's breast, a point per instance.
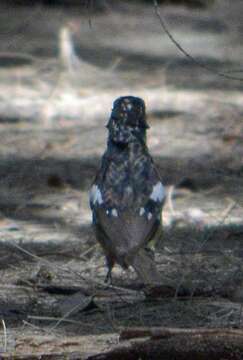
(126, 184)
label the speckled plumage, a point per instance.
(127, 195)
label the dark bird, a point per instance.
(127, 195)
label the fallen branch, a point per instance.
(156, 292)
(179, 344)
(54, 356)
(165, 332)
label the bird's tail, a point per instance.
(145, 268)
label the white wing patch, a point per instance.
(142, 211)
(158, 193)
(95, 195)
(150, 215)
(114, 212)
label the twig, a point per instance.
(209, 234)
(186, 53)
(225, 214)
(51, 318)
(5, 343)
(34, 326)
(65, 316)
(87, 280)
(19, 55)
(83, 255)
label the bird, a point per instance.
(127, 194)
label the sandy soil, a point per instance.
(54, 104)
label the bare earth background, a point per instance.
(55, 101)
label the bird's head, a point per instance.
(127, 122)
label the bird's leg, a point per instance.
(149, 252)
(108, 278)
(110, 264)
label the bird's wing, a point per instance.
(126, 229)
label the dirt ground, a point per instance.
(60, 70)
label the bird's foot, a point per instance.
(108, 278)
